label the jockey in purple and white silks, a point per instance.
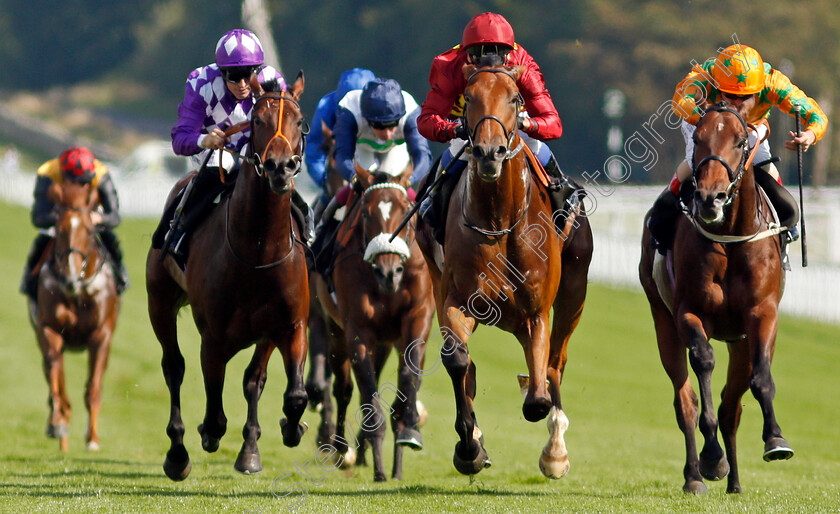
(216, 97)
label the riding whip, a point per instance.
(418, 202)
(801, 199)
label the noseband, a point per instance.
(735, 176)
(509, 135)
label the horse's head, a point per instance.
(277, 132)
(720, 161)
(384, 205)
(76, 259)
(492, 103)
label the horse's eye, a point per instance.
(467, 99)
(257, 121)
(742, 143)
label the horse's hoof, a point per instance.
(58, 431)
(379, 477)
(248, 463)
(210, 444)
(472, 465)
(292, 436)
(411, 438)
(92, 446)
(554, 467)
(325, 433)
(712, 469)
(695, 487)
(734, 489)
(776, 448)
(348, 460)
(177, 465)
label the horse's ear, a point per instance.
(404, 178)
(55, 193)
(365, 178)
(256, 87)
(517, 71)
(468, 70)
(297, 87)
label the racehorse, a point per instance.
(246, 281)
(507, 265)
(383, 299)
(726, 284)
(77, 306)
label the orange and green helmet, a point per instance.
(739, 70)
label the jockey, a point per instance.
(441, 118)
(216, 97)
(325, 115)
(752, 87)
(75, 164)
(375, 128)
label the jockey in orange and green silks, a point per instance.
(739, 76)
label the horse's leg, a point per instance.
(713, 465)
(52, 343)
(380, 357)
(318, 378)
(214, 359)
(470, 456)
(534, 339)
(248, 461)
(343, 392)
(98, 351)
(405, 420)
(729, 412)
(361, 344)
(293, 348)
(761, 335)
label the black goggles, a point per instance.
(383, 125)
(733, 96)
(236, 74)
(476, 52)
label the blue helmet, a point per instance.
(355, 78)
(382, 101)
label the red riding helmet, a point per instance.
(77, 164)
(488, 29)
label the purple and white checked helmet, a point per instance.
(239, 47)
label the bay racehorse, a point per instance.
(77, 306)
(383, 300)
(507, 265)
(726, 283)
(246, 281)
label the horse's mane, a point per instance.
(273, 86)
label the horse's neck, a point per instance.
(258, 215)
(744, 220)
(498, 204)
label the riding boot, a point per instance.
(324, 238)
(303, 212)
(783, 202)
(560, 189)
(436, 205)
(29, 281)
(663, 221)
(112, 245)
(195, 205)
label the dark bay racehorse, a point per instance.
(506, 265)
(246, 281)
(727, 283)
(383, 300)
(77, 306)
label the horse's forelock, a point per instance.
(491, 61)
(273, 86)
(380, 177)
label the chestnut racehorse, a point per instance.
(77, 306)
(507, 265)
(246, 281)
(383, 300)
(726, 284)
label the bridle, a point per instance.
(60, 256)
(383, 242)
(736, 175)
(510, 135)
(257, 160)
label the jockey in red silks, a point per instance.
(441, 118)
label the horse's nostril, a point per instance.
(501, 151)
(399, 269)
(698, 196)
(720, 197)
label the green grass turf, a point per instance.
(625, 448)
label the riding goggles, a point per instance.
(383, 125)
(475, 53)
(235, 74)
